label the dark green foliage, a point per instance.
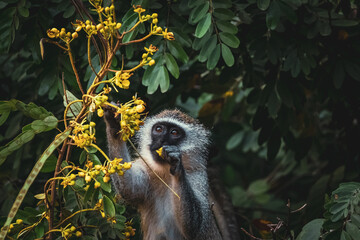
(289, 131)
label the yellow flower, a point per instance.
(152, 49)
(138, 9)
(53, 33)
(168, 35)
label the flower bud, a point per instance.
(87, 178)
(100, 112)
(152, 62)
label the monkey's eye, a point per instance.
(158, 129)
(174, 132)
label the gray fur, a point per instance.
(163, 215)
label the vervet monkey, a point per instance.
(183, 166)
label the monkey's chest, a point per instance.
(159, 223)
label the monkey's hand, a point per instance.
(172, 155)
(111, 121)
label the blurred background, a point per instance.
(276, 81)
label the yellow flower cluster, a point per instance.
(122, 79)
(155, 29)
(68, 231)
(100, 206)
(62, 34)
(116, 166)
(18, 222)
(149, 51)
(99, 101)
(107, 28)
(130, 117)
(92, 171)
(129, 230)
(69, 180)
(83, 134)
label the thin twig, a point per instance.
(53, 187)
(252, 237)
(89, 58)
(74, 68)
(64, 89)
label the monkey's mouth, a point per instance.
(156, 156)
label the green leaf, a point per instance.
(104, 186)
(83, 157)
(4, 116)
(199, 12)
(164, 80)
(273, 104)
(38, 126)
(203, 26)
(258, 187)
(195, 3)
(69, 12)
(344, 23)
(345, 236)
(311, 230)
(49, 165)
(273, 15)
(172, 65)
(89, 193)
(222, 3)
(51, 122)
(227, 55)
(31, 110)
(339, 207)
(235, 140)
(263, 4)
(353, 69)
(74, 108)
(207, 49)
(199, 42)
(148, 74)
(214, 58)
(177, 51)
(94, 159)
(273, 144)
(288, 12)
(355, 219)
(224, 14)
(226, 26)
(230, 39)
(15, 144)
(109, 207)
(353, 230)
(154, 80)
(24, 12)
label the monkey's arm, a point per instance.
(133, 185)
(193, 210)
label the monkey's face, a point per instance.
(164, 133)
